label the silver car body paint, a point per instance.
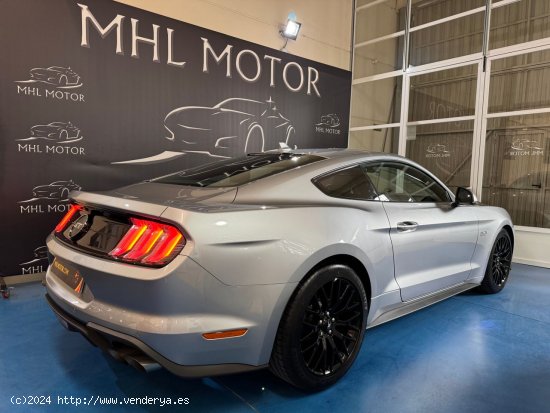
(249, 247)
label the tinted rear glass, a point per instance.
(350, 183)
(238, 171)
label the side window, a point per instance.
(397, 182)
(351, 183)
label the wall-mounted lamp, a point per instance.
(291, 29)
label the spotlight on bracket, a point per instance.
(290, 31)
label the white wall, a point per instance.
(531, 247)
(326, 24)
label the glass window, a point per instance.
(397, 182)
(425, 11)
(380, 19)
(520, 82)
(379, 57)
(238, 171)
(351, 183)
(443, 94)
(375, 140)
(516, 175)
(444, 149)
(377, 102)
(519, 22)
(455, 38)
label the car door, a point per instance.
(433, 242)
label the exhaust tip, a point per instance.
(134, 358)
(142, 363)
(117, 355)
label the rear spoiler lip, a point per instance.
(124, 205)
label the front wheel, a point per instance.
(499, 265)
(322, 329)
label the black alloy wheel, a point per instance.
(499, 265)
(331, 326)
(322, 328)
(502, 260)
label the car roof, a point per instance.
(290, 186)
(341, 154)
(329, 159)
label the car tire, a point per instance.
(63, 135)
(314, 348)
(64, 194)
(498, 265)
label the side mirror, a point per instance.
(464, 196)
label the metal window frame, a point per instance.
(476, 59)
(380, 39)
(371, 127)
(511, 51)
(447, 19)
(368, 5)
(483, 59)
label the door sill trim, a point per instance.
(411, 306)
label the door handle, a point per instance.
(407, 226)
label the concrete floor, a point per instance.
(471, 353)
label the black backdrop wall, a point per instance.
(87, 102)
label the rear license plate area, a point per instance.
(68, 274)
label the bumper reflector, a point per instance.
(217, 335)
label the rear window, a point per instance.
(351, 183)
(238, 171)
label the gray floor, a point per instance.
(471, 353)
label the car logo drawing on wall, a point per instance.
(437, 148)
(55, 75)
(58, 76)
(40, 253)
(57, 190)
(231, 127)
(62, 132)
(331, 120)
(523, 144)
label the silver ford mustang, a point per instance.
(279, 259)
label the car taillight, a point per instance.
(149, 242)
(65, 220)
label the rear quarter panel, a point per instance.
(245, 247)
(273, 245)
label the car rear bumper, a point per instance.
(137, 354)
(167, 310)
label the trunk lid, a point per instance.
(103, 218)
(151, 198)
